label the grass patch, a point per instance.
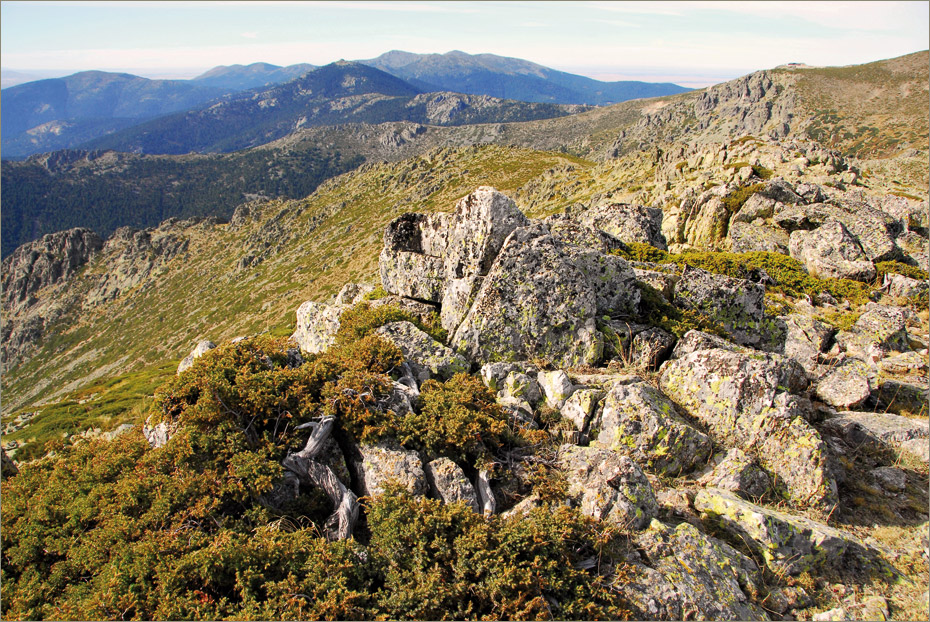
(106, 405)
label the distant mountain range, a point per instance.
(74, 111)
(244, 77)
(511, 78)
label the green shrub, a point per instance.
(439, 561)
(736, 199)
(459, 418)
(761, 172)
(656, 311)
(896, 267)
(639, 251)
(363, 318)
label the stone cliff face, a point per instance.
(39, 285)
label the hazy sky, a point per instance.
(692, 43)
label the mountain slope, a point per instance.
(335, 94)
(511, 78)
(54, 113)
(244, 77)
(107, 190)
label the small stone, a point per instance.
(845, 386)
(449, 483)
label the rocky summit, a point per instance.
(687, 381)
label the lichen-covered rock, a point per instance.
(900, 286)
(747, 237)
(805, 339)
(494, 374)
(651, 347)
(879, 330)
(581, 406)
(352, 293)
(662, 282)
(535, 302)
(629, 223)
(692, 577)
(745, 400)
(640, 422)
(903, 397)
(519, 386)
(871, 229)
(199, 350)
(736, 304)
(914, 249)
(424, 311)
(382, 464)
(449, 483)
(427, 357)
(788, 544)
(846, 386)
(442, 258)
(695, 340)
(830, 251)
(740, 474)
(858, 428)
(757, 207)
(565, 229)
(608, 486)
(157, 435)
(317, 325)
(556, 386)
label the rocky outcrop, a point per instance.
(736, 304)
(441, 258)
(690, 576)
(750, 401)
(640, 422)
(829, 251)
(788, 544)
(627, 222)
(46, 261)
(738, 473)
(542, 298)
(608, 486)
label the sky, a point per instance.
(694, 44)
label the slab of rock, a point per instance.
(651, 347)
(628, 222)
(691, 576)
(442, 258)
(383, 463)
(831, 252)
(746, 401)
(903, 397)
(805, 339)
(640, 422)
(748, 237)
(427, 357)
(891, 479)
(846, 386)
(580, 407)
(788, 544)
(881, 329)
(317, 325)
(448, 482)
(738, 473)
(565, 229)
(608, 486)
(535, 302)
(695, 340)
(900, 286)
(522, 387)
(202, 348)
(858, 428)
(556, 387)
(736, 304)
